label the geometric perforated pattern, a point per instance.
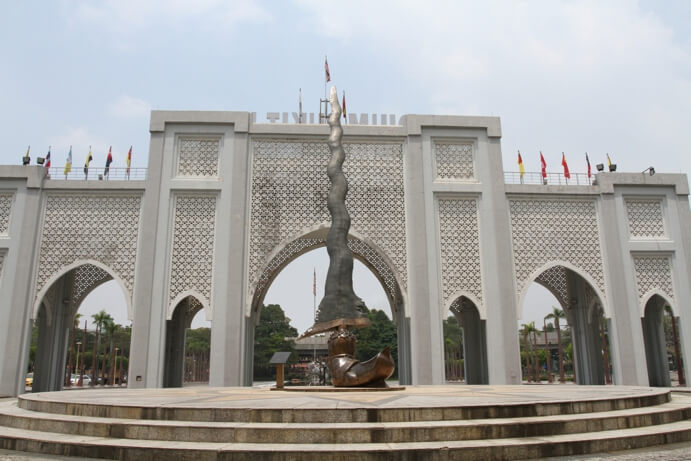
(645, 218)
(191, 265)
(86, 278)
(653, 273)
(454, 161)
(290, 188)
(102, 227)
(459, 247)
(544, 231)
(303, 245)
(555, 280)
(198, 157)
(6, 201)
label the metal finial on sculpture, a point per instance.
(340, 305)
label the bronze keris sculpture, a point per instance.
(341, 308)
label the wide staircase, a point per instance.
(348, 426)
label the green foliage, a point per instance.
(453, 334)
(380, 334)
(269, 337)
(198, 340)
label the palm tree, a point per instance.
(108, 328)
(556, 315)
(99, 319)
(527, 330)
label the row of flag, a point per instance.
(89, 158)
(564, 164)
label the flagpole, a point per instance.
(314, 292)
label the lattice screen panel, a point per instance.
(459, 247)
(290, 187)
(645, 219)
(194, 226)
(454, 161)
(198, 157)
(102, 227)
(6, 200)
(545, 231)
(653, 273)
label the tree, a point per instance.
(548, 362)
(526, 330)
(453, 348)
(269, 337)
(373, 339)
(677, 349)
(556, 315)
(100, 320)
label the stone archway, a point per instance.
(54, 313)
(474, 340)
(657, 319)
(585, 315)
(176, 331)
(363, 251)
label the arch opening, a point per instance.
(182, 360)
(62, 352)
(661, 339)
(300, 269)
(583, 346)
(465, 344)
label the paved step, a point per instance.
(494, 449)
(417, 431)
(438, 411)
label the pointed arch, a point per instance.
(76, 265)
(656, 292)
(208, 315)
(567, 265)
(472, 298)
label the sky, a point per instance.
(574, 77)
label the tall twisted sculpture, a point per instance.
(341, 308)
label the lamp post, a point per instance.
(112, 379)
(79, 344)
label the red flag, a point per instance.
(521, 167)
(543, 165)
(567, 175)
(344, 107)
(109, 159)
(314, 284)
(48, 158)
(326, 69)
(587, 160)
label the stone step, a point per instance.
(42, 402)
(390, 432)
(495, 449)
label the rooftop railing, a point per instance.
(558, 179)
(98, 174)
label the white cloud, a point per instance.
(552, 70)
(129, 107)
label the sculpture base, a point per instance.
(347, 371)
(338, 389)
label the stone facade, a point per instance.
(229, 202)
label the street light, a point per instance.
(79, 343)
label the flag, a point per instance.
(314, 284)
(587, 160)
(68, 163)
(326, 69)
(344, 105)
(300, 106)
(567, 175)
(89, 158)
(48, 158)
(543, 166)
(129, 160)
(109, 160)
(521, 168)
(609, 161)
